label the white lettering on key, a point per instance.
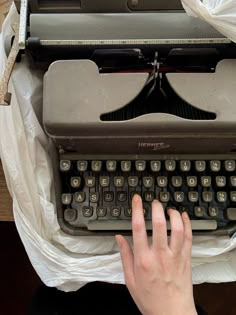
(178, 197)
(162, 181)
(191, 181)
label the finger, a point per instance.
(187, 233)
(138, 226)
(159, 230)
(127, 259)
(177, 231)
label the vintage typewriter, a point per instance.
(138, 98)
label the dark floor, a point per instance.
(18, 281)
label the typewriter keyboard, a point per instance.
(96, 194)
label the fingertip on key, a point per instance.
(136, 198)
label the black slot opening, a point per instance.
(160, 100)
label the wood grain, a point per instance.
(5, 199)
(4, 8)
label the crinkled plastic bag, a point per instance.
(221, 14)
(61, 260)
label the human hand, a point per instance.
(159, 276)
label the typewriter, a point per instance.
(138, 98)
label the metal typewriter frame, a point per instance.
(21, 43)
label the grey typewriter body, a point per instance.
(138, 98)
(187, 163)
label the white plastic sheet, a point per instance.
(61, 260)
(221, 14)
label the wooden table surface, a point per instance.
(4, 7)
(5, 199)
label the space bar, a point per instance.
(122, 225)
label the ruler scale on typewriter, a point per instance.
(138, 98)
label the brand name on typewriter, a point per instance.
(154, 146)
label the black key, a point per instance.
(101, 211)
(94, 197)
(90, 181)
(125, 166)
(206, 181)
(140, 165)
(146, 210)
(177, 181)
(170, 165)
(111, 165)
(200, 166)
(185, 166)
(231, 214)
(233, 181)
(215, 166)
(70, 215)
(193, 196)
(155, 166)
(128, 212)
(192, 181)
(148, 182)
(119, 181)
(66, 199)
(179, 196)
(162, 181)
(133, 181)
(121, 196)
(213, 212)
(199, 212)
(164, 196)
(230, 166)
(79, 196)
(221, 196)
(108, 196)
(82, 166)
(75, 182)
(233, 196)
(115, 212)
(104, 181)
(207, 196)
(96, 166)
(148, 196)
(87, 212)
(183, 209)
(65, 165)
(220, 181)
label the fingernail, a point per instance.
(136, 198)
(185, 214)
